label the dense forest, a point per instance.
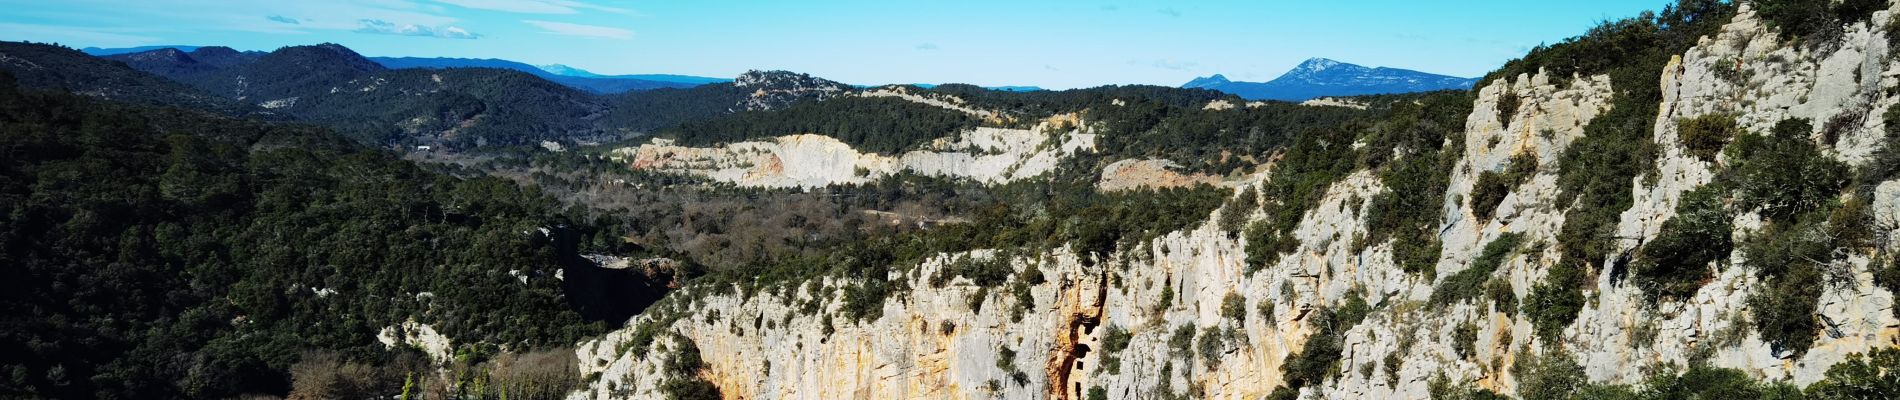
(161, 253)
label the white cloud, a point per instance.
(927, 46)
(535, 6)
(587, 31)
(378, 26)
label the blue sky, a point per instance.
(1045, 43)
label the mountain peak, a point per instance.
(1319, 64)
(1323, 77)
(564, 70)
(327, 54)
(1209, 82)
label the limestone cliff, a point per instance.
(931, 343)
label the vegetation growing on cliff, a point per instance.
(1594, 172)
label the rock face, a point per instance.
(931, 343)
(988, 155)
(1150, 173)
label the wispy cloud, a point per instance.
(927, 46)
(283, 19)
(1169, 12)
(579, 30)
(1111, 7)
(535, 6)
(381, 27)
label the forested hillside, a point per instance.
(157, 253)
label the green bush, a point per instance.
(1704, 136)
(1470, 283)
(1785, 175)
(1815, 22)
(1319, 356)
(1114, 340)
(1554, 302)
(1705, 382)
(1234, 214)
(1784, 257)
(1551, 376)
(1441, 388)
(1234, 308)
(1507, 107)
(1182, 341)
(1212, 342)
(1464, 340)
(1487, 193)
(1875, 375)
(1676, 264)
(1502, 297)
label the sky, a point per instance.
(1051, 44)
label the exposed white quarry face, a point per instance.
(905, 354)
(984, 154)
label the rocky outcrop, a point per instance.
(1150, 173)
(932, 343)
(987, 155)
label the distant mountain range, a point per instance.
(402, 102)
(571, 77)
(99, 52)
(1321, 77)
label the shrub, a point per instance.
(1464, 340)
(1234, 308)
(1551, 376)
(1784, 258)
(1114, 340)
(1487, 193)
(1784, 175)
(1815, 22)
(1469, 283)
(1212, 342)
(1318, 356)
(1392, 365)
(1675, 265)
(682, 380)
(1503, 299)
(1875, 375)
(1441, 388)
(1182, 341)
(1705, 382)
(1234, 214)
(1704, 136)
(1555, 301)
(1354, 310)
(1507, 107)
